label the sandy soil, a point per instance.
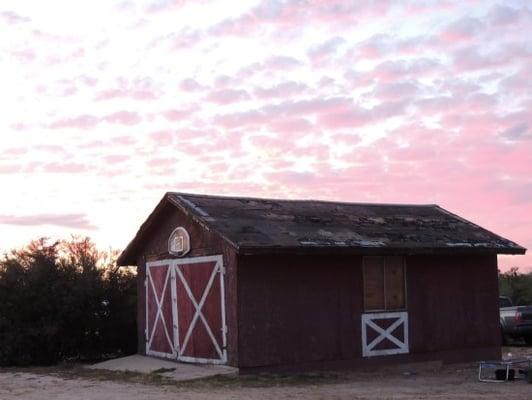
(449, 382)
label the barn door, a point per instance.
(160, 327)
(201, 328)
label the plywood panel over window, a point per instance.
(394, 282)
(384, 283)
(374, 283)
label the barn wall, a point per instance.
(203, 243)
(305, 311)
(458, 298)
(298, 309)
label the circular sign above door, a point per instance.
(179, 242)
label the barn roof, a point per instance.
(253, 225)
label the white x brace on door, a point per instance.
(384, 333)
(196, 325)
(160, 330)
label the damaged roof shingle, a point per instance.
(251, 224)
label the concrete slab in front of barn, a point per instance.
(170, 369)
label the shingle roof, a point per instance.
(261, 225)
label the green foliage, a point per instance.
(64, 300)
(517, 286)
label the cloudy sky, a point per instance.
(106, 105)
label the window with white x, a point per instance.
(395, 344)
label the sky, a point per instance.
(107, 105)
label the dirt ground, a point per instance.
(421, 381)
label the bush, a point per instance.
(517, 286)
(64, 300)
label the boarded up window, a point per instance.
(374, 283)
(384, 283)
(394, 282)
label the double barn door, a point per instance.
(185, 309)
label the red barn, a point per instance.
(294, 284)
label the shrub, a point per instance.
(517, 286)
(64, 300)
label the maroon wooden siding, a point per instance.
(453, 303)
(303, 311)
(203, 243)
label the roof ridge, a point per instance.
(300, 200)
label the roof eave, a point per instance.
(328, 250)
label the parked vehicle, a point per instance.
(516, 321)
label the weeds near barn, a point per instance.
(265, 380)
(161, 377)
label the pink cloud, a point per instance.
(155, 6)
(75, 221)
(50, 148)
(284, 89)
(270, 66)
(460, 30)
(80, 122)
(186, 38)
(88, 80)
(322, 53)
(64, 167)
(280, 63)
(283, 110)
(417, 8)
(138, 89)
(180, 114)
(405, 69)
(116, 158)
(227, 96)
(356, 116)
(123, 118)
(225, 81)
(190, 85)
(519, 82)
(123, 140)
(503, 15)
(285, 15)
(396, 90)
(163, 138)
(478, 57)
(124, 93)
(308, 106)
(375, 47)
(291, 125)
